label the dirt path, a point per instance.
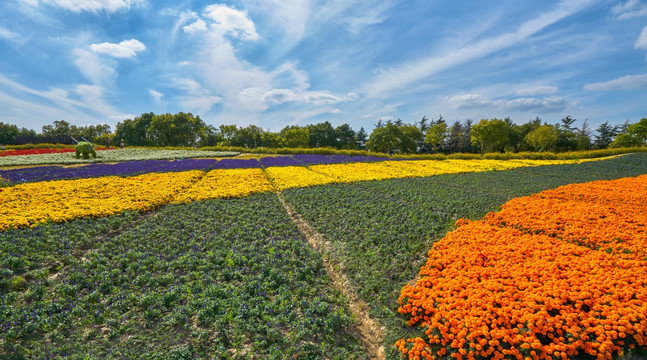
(369, 331)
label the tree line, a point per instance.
(423, 136)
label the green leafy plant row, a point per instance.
(214, 279)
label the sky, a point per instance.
(274, 63)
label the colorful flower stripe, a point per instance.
(490, 290)
(127, 168)
(28, 205)
(226, 183)
(219, 183)
(570, 212)
(296, 176)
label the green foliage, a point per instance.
(639, 130)
(194, 281)
(295, 137)
(491, 135)
(86, 149)
(394, 137)
(543, 138)
(437, 136)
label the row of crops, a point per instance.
(64, 200)
(235, 278)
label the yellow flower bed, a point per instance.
(226, 183)
(347, 173)
(28, 205)
(286, 177)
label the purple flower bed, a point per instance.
(127, 168)
(338, 159)
(237, 164)
(315, 159)
(280, 161)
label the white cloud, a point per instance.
(92, 68)
(621, 83)
(374, 14)
(196, 27)
(195, 97)
(641, 43)
(231, 21)
(125, 49)
(537, 90)
(80, 103)
(403, 75)
(88, 5)
(629, 9)
(156, 95)
(477, 101)
(9, 35)
(292, 17)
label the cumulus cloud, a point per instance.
(88, 5)
(621, 83)
(537, 90)
(641, 43)
(231, 21)
(629, 9)
(476, 101)
(125, 49)
(196, 27)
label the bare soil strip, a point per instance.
(368, 330)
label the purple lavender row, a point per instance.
(237, 164)
(127, 168)
(130, 168)
(280, 161)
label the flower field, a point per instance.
(519, 284)
(39, 151)
(197, 258)
(114, 155)
(102, 193)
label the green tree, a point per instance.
(345, 137)
(60, 128)
(437, 135)
(491, 135)
(210, 136)
(639, 130)
(625, 140)
(249, 137)
(8, 133)
(543, 138)
(295, 136)
(271, 140)
(605, 135)
(362, 137)
(384, 139)
(321, 135)
(410, 134)
(134, 132)
(181, 129)
(229, 134)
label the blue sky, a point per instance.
(274, 63)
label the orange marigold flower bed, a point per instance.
(531, 281)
